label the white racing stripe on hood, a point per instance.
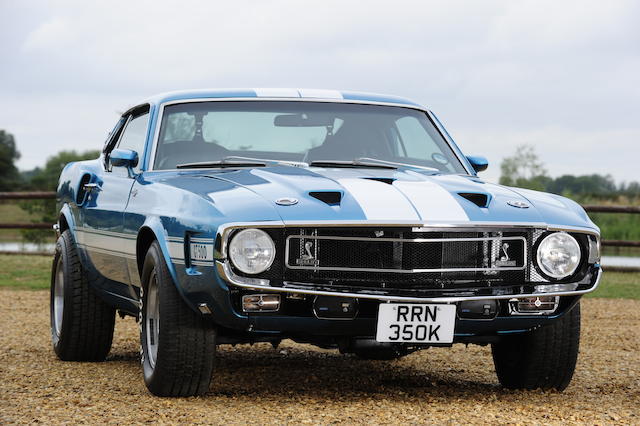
(276, 93)
(320, 93)
(378, 200)
(433, 202)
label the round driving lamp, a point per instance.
(558, 255)
(252, 251)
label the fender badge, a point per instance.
(286, 201)
(518, 204)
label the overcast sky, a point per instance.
(562, 76)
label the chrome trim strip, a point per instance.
(226, 273)
(105, 232)
(408, 240)
(402, 240)
(201, 263)
(106, 251)
(225, 228)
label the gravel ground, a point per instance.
(302, 384)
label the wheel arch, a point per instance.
(151, 231)
(66, 221)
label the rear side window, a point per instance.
(135, 136)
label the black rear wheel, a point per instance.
(178, 345)
(81, 323)
(544, 358)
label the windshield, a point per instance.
(309, 132)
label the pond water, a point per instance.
(20, 247)
(621, 261)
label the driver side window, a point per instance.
(134, 136)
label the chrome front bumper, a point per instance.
(543, 289)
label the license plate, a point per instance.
(415, 323)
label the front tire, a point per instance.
(177, 344)
(544, 358)
(81, 323)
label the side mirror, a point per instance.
(123, 158)
(478, 162)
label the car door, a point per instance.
(102, 220)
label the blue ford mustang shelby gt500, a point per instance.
(340, 219)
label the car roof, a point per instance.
(280, 93)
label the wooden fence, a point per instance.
(591, 208)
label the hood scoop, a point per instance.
(388, 181)
(478, 198)
(331, 198)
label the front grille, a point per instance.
(398, 258)
(401, 257)
(403, 261)
(434, 252)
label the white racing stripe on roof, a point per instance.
(277, 93)
(378, 200)
(433, 202)
(320, 93)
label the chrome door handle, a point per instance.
(91, 186)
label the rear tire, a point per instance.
(177, 344)
(544, 358)
(81, 323)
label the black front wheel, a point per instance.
(177, 344)
(544, 358)
(81, 323)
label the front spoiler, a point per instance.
(227, 274)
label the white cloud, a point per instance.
(52, 34)
(496, 72)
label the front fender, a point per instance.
(67, 216)
(198, 284)
(154, 225)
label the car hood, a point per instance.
(387, 196)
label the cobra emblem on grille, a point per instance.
(308, 258)
(504, 259)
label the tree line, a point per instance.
(525, 170)
(40, 178)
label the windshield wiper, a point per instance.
(270, 161)
(235, 161)
(350, 163)
(393, 163)
(221, 164)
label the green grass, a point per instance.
(25, 272)
(618, 285)
(618, 226)
(33, 273)
(10, 212)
